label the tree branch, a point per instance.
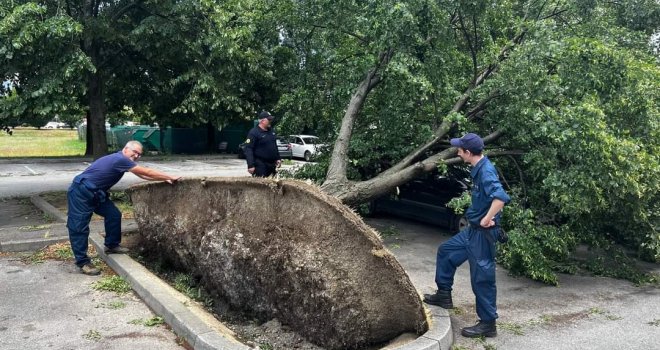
(125, 9)
(356, 36)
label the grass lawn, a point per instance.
(30, 142)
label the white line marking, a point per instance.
(32, 171)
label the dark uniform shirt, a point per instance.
(106, 171)
(261, 145)
(486, 187)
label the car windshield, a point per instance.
(309, 140)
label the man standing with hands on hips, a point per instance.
(261, 151)
(88, 194)
(476, 243)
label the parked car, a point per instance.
(305, 146)
(54, 125)
(283, 147)
(425, 199)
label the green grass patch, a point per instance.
(113, 305)
(29, 142)
(512, 327)
(63, 252)
(154, 321)
(185, 284)
(112, 284)
(92, 335)
(389, 232)
(34, 258)
(34, 227)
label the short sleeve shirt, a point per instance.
(106, 171)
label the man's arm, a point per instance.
(249, 151)
(153, 175)
(495, 207)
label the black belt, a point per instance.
(502, 237)
(479, 227)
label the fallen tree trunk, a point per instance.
(285, 250)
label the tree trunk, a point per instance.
(96, 124)
(88, 135)
(337, 169)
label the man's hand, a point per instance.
(278, 163)
(251, 170)
(173, 180)
(486, 222)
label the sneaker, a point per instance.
(441, 298)
(481, 329)
(117, 250)
(89, 269)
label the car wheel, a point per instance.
(308, 156)
(460, 223)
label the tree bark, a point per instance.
(96, 124)
(337, 170)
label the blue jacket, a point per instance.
(486, 186)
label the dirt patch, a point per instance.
(282, 252)
(20, 212)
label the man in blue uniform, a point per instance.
(476, 243)
(261, 151)
(88, 194)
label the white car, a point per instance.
(305, 146)
(54, 125)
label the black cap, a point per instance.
(265, 114)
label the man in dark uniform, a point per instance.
(261, 148)
(476, 243)
(88, 194)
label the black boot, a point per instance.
(481, 329)
(441, 298)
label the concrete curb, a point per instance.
(48, 208)
(198, 327)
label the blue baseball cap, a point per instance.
(471, 142)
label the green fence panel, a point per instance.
(233, 135)
(149, 137)
(184, 140)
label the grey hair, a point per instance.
(132, 144)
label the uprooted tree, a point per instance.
(569, 87)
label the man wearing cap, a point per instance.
(88, 194)
(261, 151)
(476, 243)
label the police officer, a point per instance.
(261, 151)
(476, 243)
(88, 194)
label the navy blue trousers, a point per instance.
(474, 246)
(264, 169)
(82, 204)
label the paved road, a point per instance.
(583, 313)
(31, 176)
(51, 305)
